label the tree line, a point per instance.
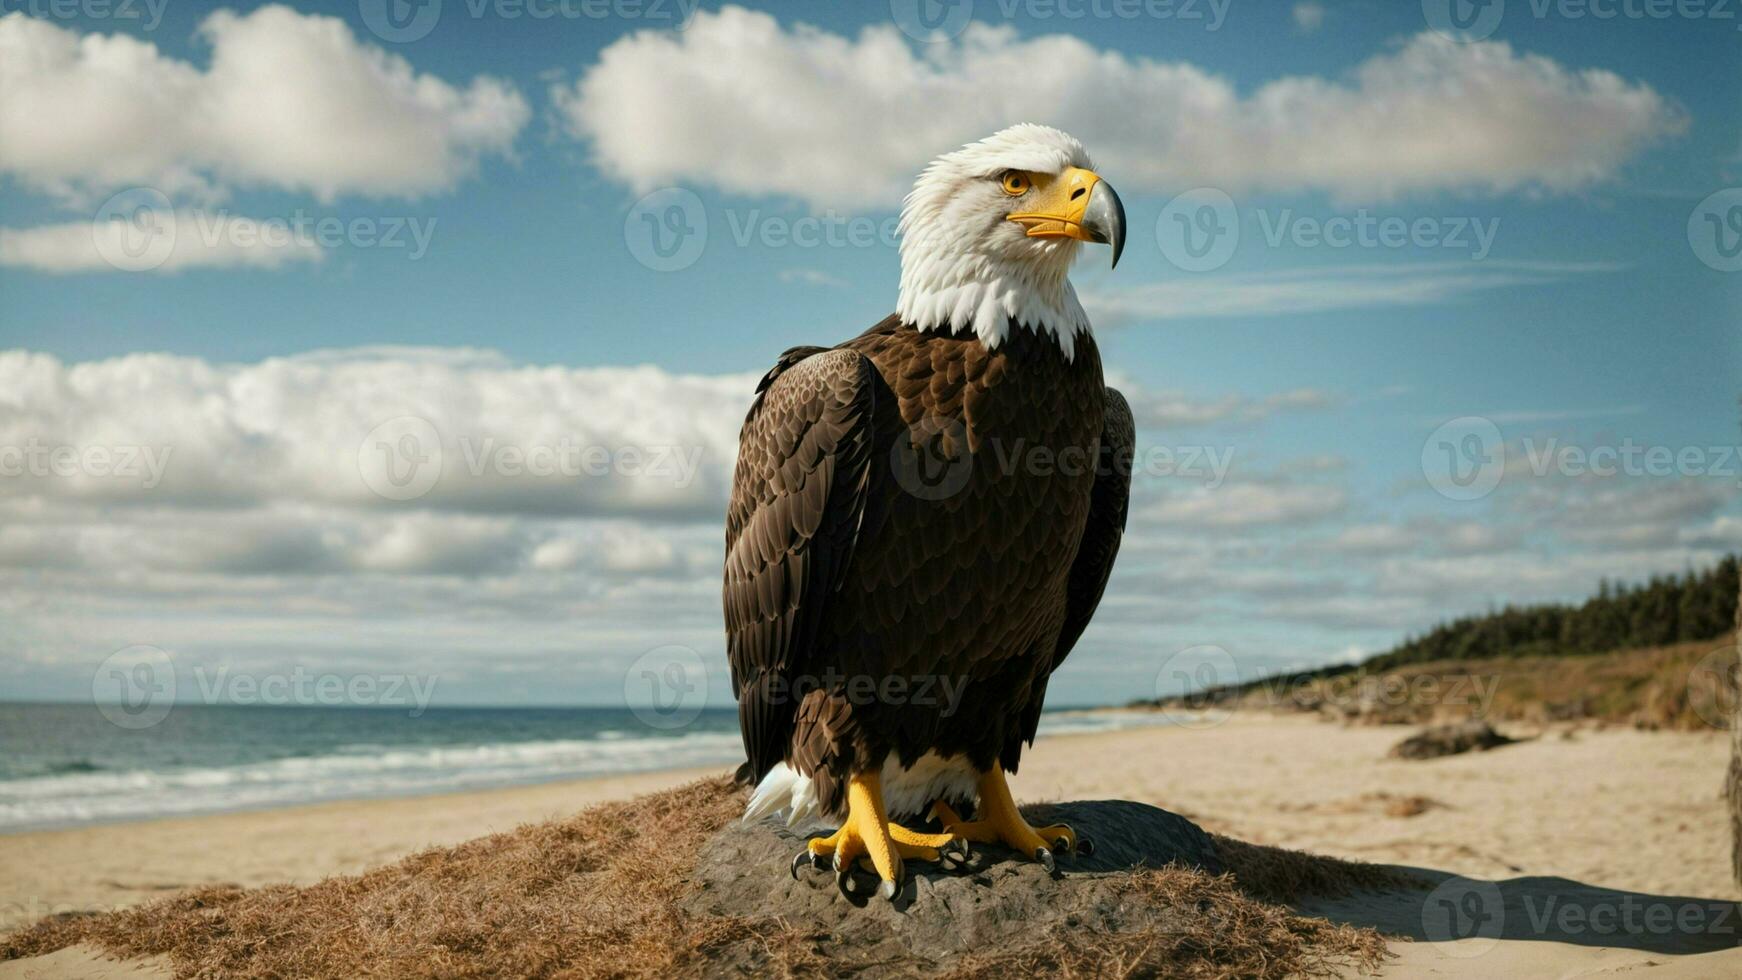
(1667, 609)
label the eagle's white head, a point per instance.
(989, 231)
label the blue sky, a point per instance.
(1584, 149)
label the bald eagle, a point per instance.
(923, 519)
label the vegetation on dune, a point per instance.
(1640, 655)
(1663, 611)
(1657, 688)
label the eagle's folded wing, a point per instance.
(1108, 503)
(798, 496)
(1105, 528)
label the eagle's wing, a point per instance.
(1105, 528)
(1108, 502)
(798, 496)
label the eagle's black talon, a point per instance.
(1046, 860)
(855, 885)
(817, 861)
(1062, 845)
(954, 855)
(1085, 847)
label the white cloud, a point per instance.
(857, 117)
(1421, 536)
(1309, 17)
(1374, 539)
(1621, 513)
(1247, 504)
(287, 101)
(1723, 533)
(1157, 409)
(99, 246)
(503, 438)
(1318, 290)
(261, 546)
(811, 277)
(1561, 414)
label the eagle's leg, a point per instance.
(910, 844)
(867, 834)
(999, 822)
(946, 849)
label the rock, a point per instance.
(997, 898)
(1443, 740)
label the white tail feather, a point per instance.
(783, 789)
(906, 791)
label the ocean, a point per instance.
(64, 765)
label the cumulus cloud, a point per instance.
(222, 512)
(857, 117)
(287, 101)
(482, 435)
(244, 529)
(315, 540)
(107, 246)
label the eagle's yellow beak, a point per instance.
(1075, 204)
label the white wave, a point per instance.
(364, 770)
(76, 798)
(1099, 720)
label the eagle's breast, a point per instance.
(981, 485)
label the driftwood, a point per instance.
(1453, 739)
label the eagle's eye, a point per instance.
(1016, 183)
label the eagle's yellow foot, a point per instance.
(999, 822)
(867, 837)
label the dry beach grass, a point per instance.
(599, 894)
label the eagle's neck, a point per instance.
(952, 294)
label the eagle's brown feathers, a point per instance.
(862, 585)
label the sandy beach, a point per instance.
(1613, 821)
